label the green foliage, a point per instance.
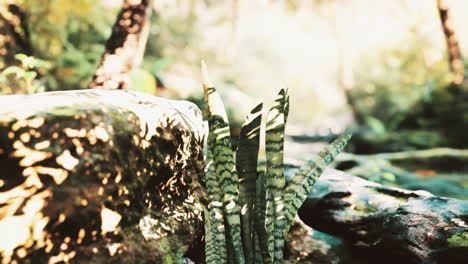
(142, 81)
(459, 240)
(70, 35)
(250, 211)
(389, 82)
(23, 78)
(275, 204)
(246, 165)
(219, 143)
(376, 126)
(143, 78)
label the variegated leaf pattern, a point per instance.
(274, 137)
(302, 182)
(260, 215)
(215, 212)
(219, 143)
(246, 164)
(249, 213)
(211, 246)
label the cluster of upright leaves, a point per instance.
(250, 212)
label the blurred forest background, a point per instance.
(377, 68)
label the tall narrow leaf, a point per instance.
(211, 246)
(275, 176)
(219, 143)
(216, 230)
(302, 182)
(246, 164)
(260, 214)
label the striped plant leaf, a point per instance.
(275, 176)
(286, 107)
(219, 143)
(246, 164)
(270, 220)
(302, 182)
(215, 213)
(260, 215)
(211, 245)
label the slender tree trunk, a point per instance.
(345, 72)
(457, 66)
(125, 47)
(14, 33)
(232, 47)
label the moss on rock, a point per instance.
(99, 177)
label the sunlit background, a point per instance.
(253, 48)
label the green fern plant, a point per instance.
(249, 212)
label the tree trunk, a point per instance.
(388, 225)
(125, 47)
(99, 177)
(14, 34)
(345, 72)
(457, 66)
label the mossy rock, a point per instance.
(99, 177)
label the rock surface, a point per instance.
(388, 225)
(308, 246)
(98, 176)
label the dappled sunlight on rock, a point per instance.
(101, 174)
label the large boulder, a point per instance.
(98, 176)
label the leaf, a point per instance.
(376, 125)
(27, 62)
(29, 75)
(216, 232)
(19, 72)
(142, 81)
(260, 215)
(302, 182)
(21, 57)
(219, 143)
(246, 165)
(42, 64)
(211, 245)
(275, 175)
